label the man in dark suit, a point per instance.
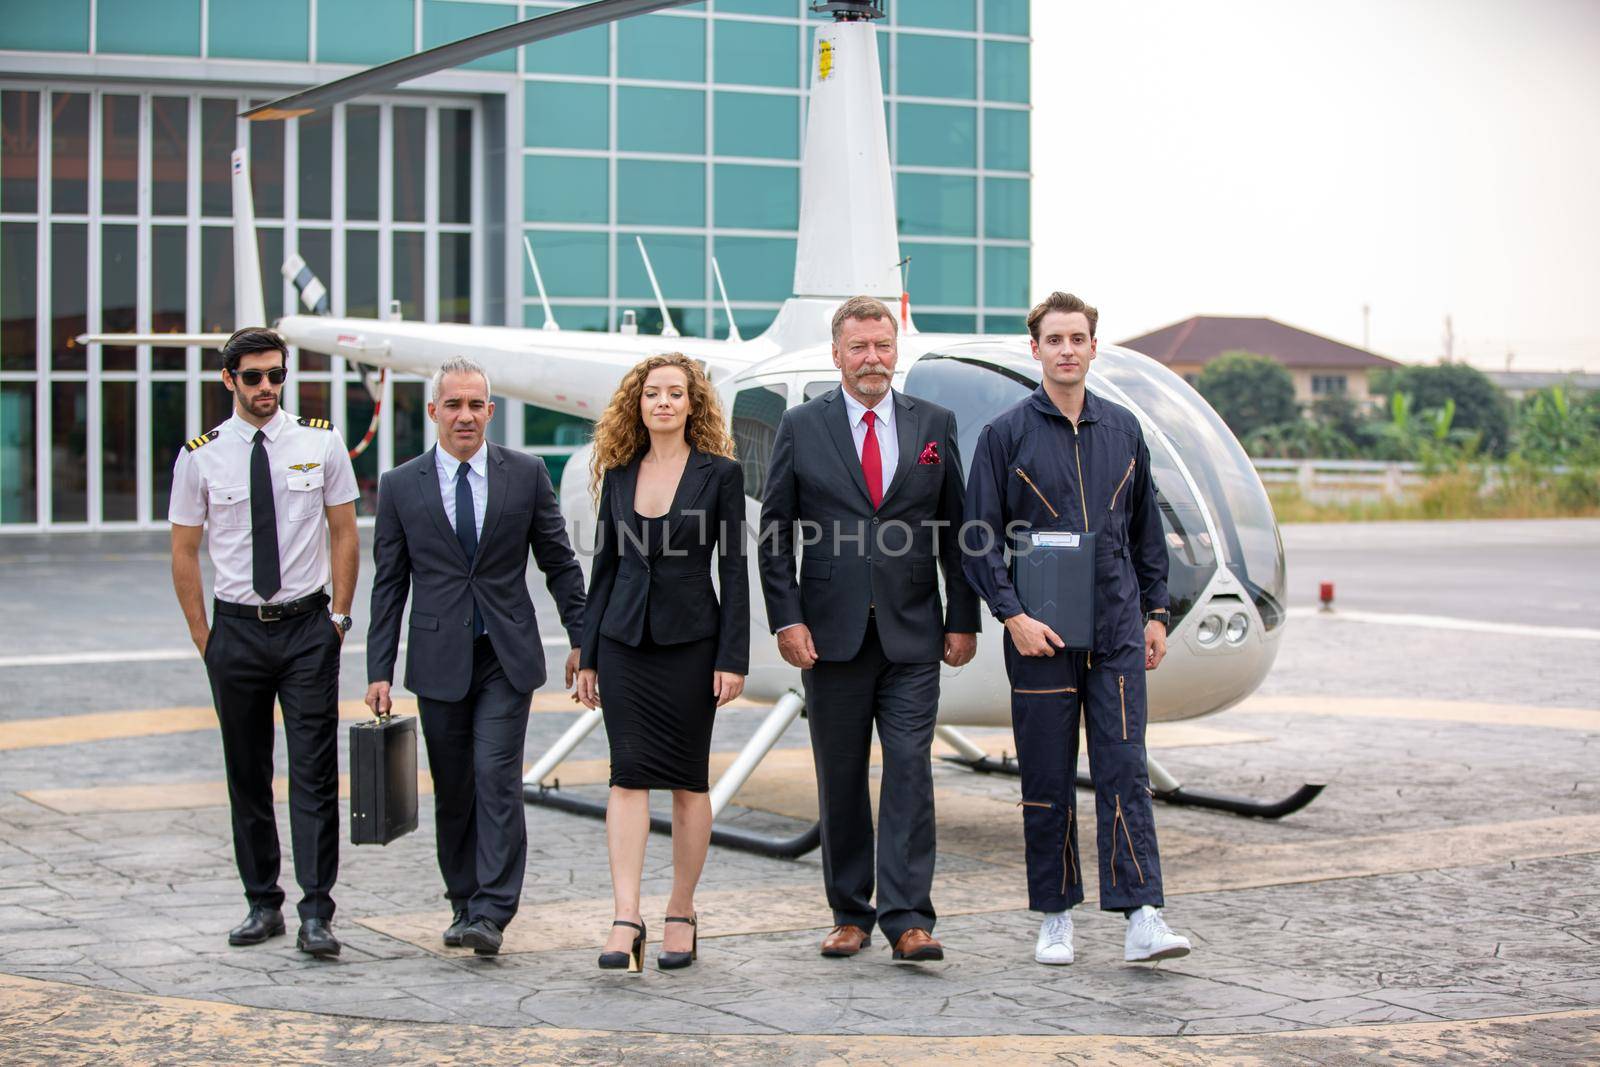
(456, 524)
(869, 476)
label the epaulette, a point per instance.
(201, 441)
(316, 424)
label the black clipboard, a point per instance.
(1053, 572)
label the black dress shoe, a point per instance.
(317, 939)
(458, 924)
(483, 937)
(259, 925)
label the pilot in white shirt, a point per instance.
(274, 496)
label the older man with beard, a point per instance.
(877, 477)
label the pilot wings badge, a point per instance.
(303, 467)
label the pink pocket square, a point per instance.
(930, 453)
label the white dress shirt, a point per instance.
(211, 487)
(477, 478)
(888, 442)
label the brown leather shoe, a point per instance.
(916, 945)
(845, 940)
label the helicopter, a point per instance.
(1226, 564)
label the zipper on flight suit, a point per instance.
(1024, 476)
(1069, 861)
(1083, 500)
(1126, 475)
(1122, 698)
(1038, 692)
(1118, 820)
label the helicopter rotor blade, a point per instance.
(388, 75)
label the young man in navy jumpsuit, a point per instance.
(1067, 459)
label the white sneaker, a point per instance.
(1055, 939)
(1149, 938)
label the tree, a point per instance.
(1480, 407)
(1555, 427)
(1249, 391)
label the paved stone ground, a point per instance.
(1442, 894)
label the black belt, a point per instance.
(273, 612)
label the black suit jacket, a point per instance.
(635, 576)
(854, 556)
(414, 546)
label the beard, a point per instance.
(260, 405)
(870, 382)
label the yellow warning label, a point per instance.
(824, 60)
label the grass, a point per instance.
(1520, 492)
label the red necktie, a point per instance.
(872, 461)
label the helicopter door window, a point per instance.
(756, 412)
(816, 389)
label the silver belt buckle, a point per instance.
(276, 616)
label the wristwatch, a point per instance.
(1161, 615)
(343, 622)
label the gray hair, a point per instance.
(458, 365)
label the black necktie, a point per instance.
(264, 575)
(467, 534)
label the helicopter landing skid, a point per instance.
(1163, 786)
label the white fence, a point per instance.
(1324, 479)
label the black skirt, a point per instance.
(659, 710)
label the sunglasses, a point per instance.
(252, 378)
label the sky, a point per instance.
(1296, 160)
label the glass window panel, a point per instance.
(26, 27)
(169, 299)
(1005, 71)
(361, 162)
(1005, 139)
(562, 189)
(69, 295)
(584, 52)
(661, 120)
(754, 53)
(776, 8)
(758, 198)
(364, 32)
(663, 47)
(408, 274)
(679, 260)
(1005, 208)
(148, 27)
(760, 125)
(1005, 277)
(249, 29)
(410, 407)
(216, 403)
(752, 321)
(756, 268)
(938, 14)
(661, 194)
(571, 317)
(19, 296)
(756, 414)
(19, 442)
(934, 322)
(69, 451)
(216, 286)
(444, 21)
(361, 274)
(167, 432)
(566, 115)
(942, 275)
(1006, 16)
(169, 156)
(119, 155)
(937, 66)
(69, 153)
(19, 151)
(266, 168)
(934, 136)
(942, 204)
(119, 293)
(119, 459)
(358, 417)
(269, 246)
(315, 402)
(455, 277)
(316, 165)
(573, 264)
(316, 248)
(455, 165)
(218, 135)
(410, 163)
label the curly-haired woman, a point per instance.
(656, 640)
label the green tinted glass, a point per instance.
(759, 125)
(679, 261)
(25, 28)
(1006, 16)
(564, 189)
(584, 52)
(148, 27)
(565, 115)
(937, 66)
(573, 264)
(1005, 139)
(1005, 208)
(756, 53)
(443, 22)
(938, 14)
(661, 194)
(944, 205)
(248, 29)
(756, 268)
(1005, 71)
(758, 198)
(942, 274)
(935, 136)
(364, 31)
(661, 120)
(1005, 277)
(667, 47)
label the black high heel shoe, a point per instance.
(672, 961)
(633, 959)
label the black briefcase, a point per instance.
(383, 779)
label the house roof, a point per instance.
(1201, 339)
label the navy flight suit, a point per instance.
(1032, 466)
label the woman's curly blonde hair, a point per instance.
(620, 434)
